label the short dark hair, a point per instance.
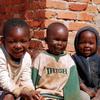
(10, 23)
(53, 26)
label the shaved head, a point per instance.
(55, 28)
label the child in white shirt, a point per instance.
(15, 62)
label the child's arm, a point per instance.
(27, 86)
(6, 82)
(35, 70)
(71, 89)
(26, 80)
(30, 93)
(17, 91)
(89, 91)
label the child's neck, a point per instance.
(15, 62)
(55, 54)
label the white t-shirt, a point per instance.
(11, 77)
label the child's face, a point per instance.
(57, 41)
(16, 42)
(87, 44)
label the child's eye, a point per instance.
(10, 41)
(56, 40)
(64, 41)
(24, 41)
(91, 43)
(81, 42)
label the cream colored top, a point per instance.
(11, 76)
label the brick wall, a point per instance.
(12, 8)
(40, 13)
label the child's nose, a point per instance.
(59, 42)
(18, 45)
(87, 45)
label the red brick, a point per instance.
(38, 4)
(15, 9)
(48, 21)
(77, 7)
(2, 2)
(97, 21)
(55, 4)
(37, 44)
(35, 23)
(92, 9)
(50, 14)
(40, 14)
(40, 23)
(74, 26)
(12, 2)
(40, 34)
(2, 9)
(18, 15)
(2, 17)
(85, 17)
(1, 26)
(67, 15)
(29, 15)
(6, 16)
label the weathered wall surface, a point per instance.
(40, 13)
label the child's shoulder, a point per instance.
(2, 51)
(41, 55)
(69, 59)
(95, 58)
(27, 56)
(3, 55)
(66, 59)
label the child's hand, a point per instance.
(97, 97)
(17, 91)
(30, 93)
(36, 96)
(90, 92)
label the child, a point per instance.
(87, 61)
(15, 62)
(54, 72)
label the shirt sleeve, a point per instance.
(26, 80)
(36, 70)
(72, 85)
(5, 81)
